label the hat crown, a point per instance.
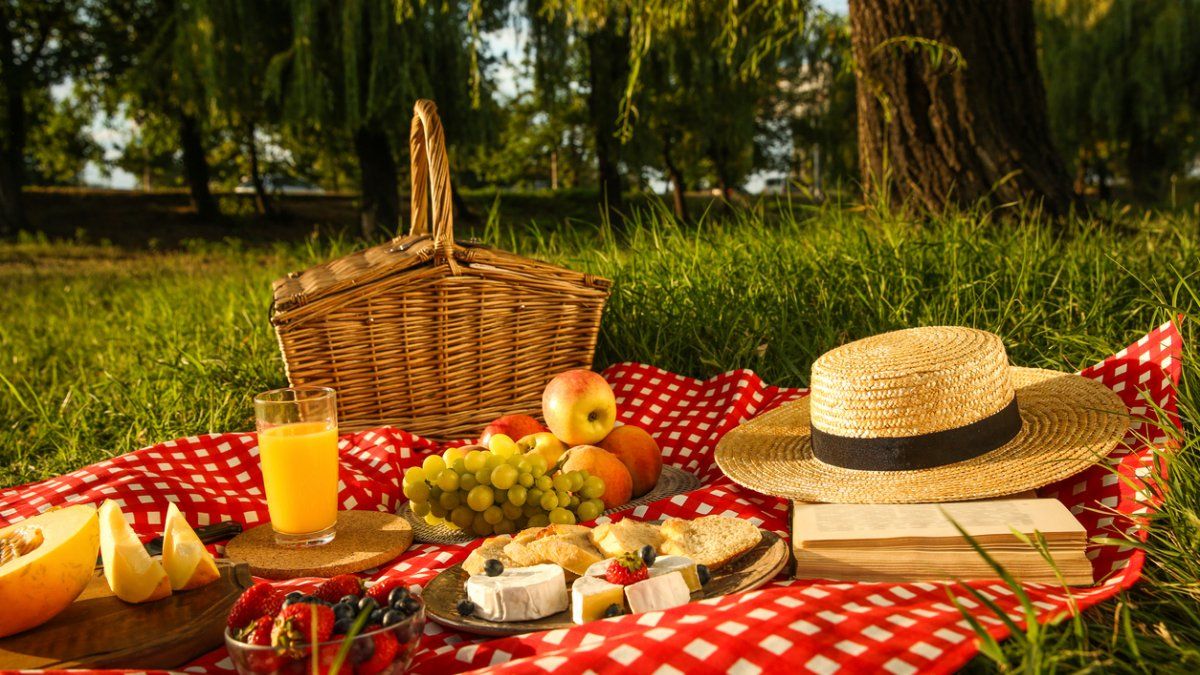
(910, 382)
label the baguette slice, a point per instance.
(523, 553)
(492, 547)
(613, 539)
(711, 540)
(573, 552)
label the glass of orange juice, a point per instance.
(297, 446)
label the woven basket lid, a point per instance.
(926, 391)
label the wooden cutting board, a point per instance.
(100, 631)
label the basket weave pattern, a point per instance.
(428, 334)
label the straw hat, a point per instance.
(924, 415)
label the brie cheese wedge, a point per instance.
(666, 564)
(658, 592)
(592, 596)
(519, 593)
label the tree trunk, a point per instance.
(380, 202)
(12, 145)
(262, 201)
(677, 185)
(462, 211)
(607, 52)
(940, 134)
(195, 167)
(553, 170)
(1146, 166)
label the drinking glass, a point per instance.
(297, 446)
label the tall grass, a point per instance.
(103, 350)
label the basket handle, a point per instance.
(430, 168)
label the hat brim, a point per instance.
(1069, 424)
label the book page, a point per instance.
(989, 519)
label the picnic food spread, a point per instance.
(612, 569)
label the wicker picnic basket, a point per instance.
(428, 334)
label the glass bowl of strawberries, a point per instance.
(342, 624)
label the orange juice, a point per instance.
(300, 473)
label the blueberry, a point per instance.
(342, 626)
(411, 605)
(392, 617)
(493, 567)
(612, 610)
(376, 617)
(349, 599)
(466, 607)
(362, 650)
(367, 604)
(703, 573)
(397, 596)
(344, 610)
(648, 555)
(292, 598)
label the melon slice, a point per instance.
(132, 574)
(45, 563)
(188, 564)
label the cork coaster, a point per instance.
(365, 539)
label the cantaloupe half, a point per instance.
(47, 562)
(188, 564)
(132, 574)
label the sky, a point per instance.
(113, 133)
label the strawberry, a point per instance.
(332, 590)
(258, 600)
(628, 568)
(294, 625)
(386, 647)
(258, 633)
(379, 592)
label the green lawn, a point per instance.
(105, 349)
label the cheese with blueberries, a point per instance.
(591, 598)
(665, 564)
(519, 593)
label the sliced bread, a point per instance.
(573, 552)
(613, 539)
(492, 547)
(710, 540)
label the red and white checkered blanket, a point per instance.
(812, 626)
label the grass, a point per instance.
(105, 349)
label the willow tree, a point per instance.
(950, 102)
(355, 67)
(40, 43)
(152, 55)
(599, 35)
(1123, 81)
(236, 42)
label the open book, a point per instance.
(917, 542)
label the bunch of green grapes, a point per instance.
(499, 491)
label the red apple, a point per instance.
(579, 407)
(513, 426)
(638, 451)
